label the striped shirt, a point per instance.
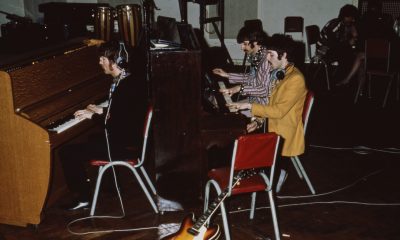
(255, 85)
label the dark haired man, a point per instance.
(254, 84)
(339, 42)
(285, 106)
(123, 120)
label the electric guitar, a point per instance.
(192, 229)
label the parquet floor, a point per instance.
(358, 188)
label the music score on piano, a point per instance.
(70, 122)
(227, 97)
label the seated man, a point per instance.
(339, 42)
(285, 106)
(254, 84)
(123, 121)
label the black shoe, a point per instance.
(77, 205)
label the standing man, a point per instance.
(123, 121)
(285, 107)
(254, 84)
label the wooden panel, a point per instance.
(176, 96)
(24, 163)
(37, 82)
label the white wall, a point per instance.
(12, 7)
(271, 12)
(170, 8)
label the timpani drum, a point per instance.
(104, 23)
(129, 23)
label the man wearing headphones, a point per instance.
(255, 83)
(123, 121)
(285, 106)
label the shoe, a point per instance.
(282, 178)
(77, 205)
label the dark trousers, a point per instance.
(74, 160)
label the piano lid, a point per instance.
(10, 62)
(62, 82)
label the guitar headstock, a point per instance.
(243, 174)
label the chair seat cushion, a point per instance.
(254, 183)
(102, 162)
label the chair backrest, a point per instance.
(255, 24)
(377, 55)
(254, 151)
(312, 35)
(147, 124)
(294, 24)
(308, 103)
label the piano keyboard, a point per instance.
(73, 121)
(227, 97)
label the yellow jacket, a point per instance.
(284, 111)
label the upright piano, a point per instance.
(36, 95)
(182, 130)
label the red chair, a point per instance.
(308, 103)
(293, 24)
(132, 164)
(251, 152)
(377, 63)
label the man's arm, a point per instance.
(257, 85)
(293, 91)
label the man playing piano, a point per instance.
(255, 83)
(285, 106)
(123, 121)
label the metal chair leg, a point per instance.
(296, 167)
(389, 86)
(253, 204)
(96, 191)
(144, 188)
(328, 85)
(149, 182)
(274, 216)
(310, 186)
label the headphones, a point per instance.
(122, 59)
(278, 73)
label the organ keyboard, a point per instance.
(32, 97)
(227, 97)
(71, 121)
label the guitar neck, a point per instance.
(195, 229)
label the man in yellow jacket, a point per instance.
(285, 107)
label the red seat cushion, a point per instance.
(102, 162)
(254, 183)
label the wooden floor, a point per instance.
(358, 195)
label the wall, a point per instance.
(12, 7)
(271, 12)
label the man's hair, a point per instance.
(282, 44)
(109, 50)
(252, 35)
(348, 10)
